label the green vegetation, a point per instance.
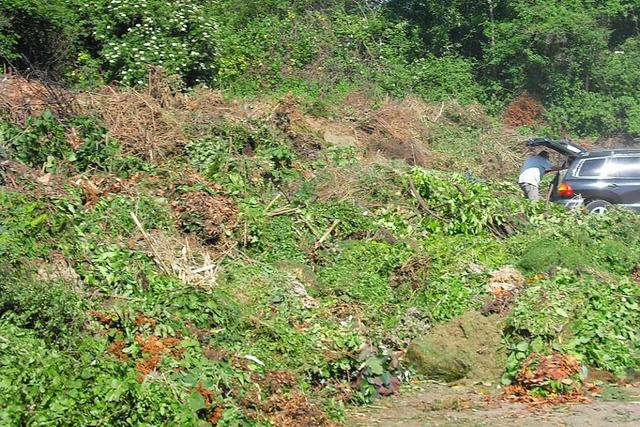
(157, 294)
(175, 255)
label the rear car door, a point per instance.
(591, 179)
(624, 172)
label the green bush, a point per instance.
(543, 254)
(591, 317)
(41, 386)
(29, 229)
(44, 141)
(38, 35)
(51, 310)
(129, 36)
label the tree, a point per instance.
(37, 35)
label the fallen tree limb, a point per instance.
(421, 201)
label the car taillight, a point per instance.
(565, 190)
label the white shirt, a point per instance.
(533, 169)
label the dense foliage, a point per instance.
(577, 57)
(233, 285)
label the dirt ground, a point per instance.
(431, 404)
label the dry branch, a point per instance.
(421, 201)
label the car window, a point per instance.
(591, 168)
(626, 167)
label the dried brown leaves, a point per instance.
(550, 379)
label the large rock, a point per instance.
(467, 346)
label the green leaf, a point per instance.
(561, 312)
(522, 346)
(374, 364)
(196, 402)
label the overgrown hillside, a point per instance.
(175, 258)
(577, 58)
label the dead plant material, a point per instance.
(523, 111)
(58, 267)
(635, 274)
(116, 349)
(550, 379)
(139, 123)
(21, 98)
(290, 119)
(209, 216)
(104, 318)
(394, 130)
(500, 303)
(295, 410)
(156, 345)
(280, 381)
(414, 272)
(186, 257)
(30, 182)
(142, 320)
(213, 408)
(100, 186)
(504, 285)
(153, 349)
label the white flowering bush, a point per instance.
(131, 35)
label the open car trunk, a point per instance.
(564, 147)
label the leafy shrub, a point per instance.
(463, 206)
(220, 156)
(543, 254)
(39, 35)
(42, 141)
(128, 36)
(51, 310)
(593, 318)
(27, 228)
(46, 140)
(587, 114)
(65, 390)
(444, 78)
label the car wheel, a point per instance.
(598, 207)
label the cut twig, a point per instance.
(203, 269)
(421, 201)
(139, 226)
(327, 233)
(461, 189)
(282, 211)
(273, 201)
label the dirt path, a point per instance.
(440, 405)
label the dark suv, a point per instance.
(595, 179)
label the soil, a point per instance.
(433, 404)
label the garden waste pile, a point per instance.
(189, 260)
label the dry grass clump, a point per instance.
(371, 182)
(186, 258)
(21, 98)
(139, 122)
(394, 130)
